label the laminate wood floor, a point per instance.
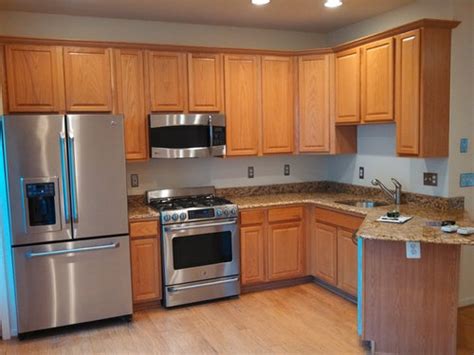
(299, 319)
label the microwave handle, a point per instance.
(211, 132)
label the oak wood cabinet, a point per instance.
(35, 78)
(205, 83)
(277, 104)
(347, 89)
(242, 104)
(167, 81)
(129, 65)
(314, 104)
(145, 261)
(422, 92)
(333, 251)
(88, 79)
(272, 245)
(377, 81)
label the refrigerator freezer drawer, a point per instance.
(68, 283)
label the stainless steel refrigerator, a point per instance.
(68, 218)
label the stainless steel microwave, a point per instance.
(175, 136)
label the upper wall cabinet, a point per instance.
(377, 81)
(129, 66)
(277, 104)
(205, 82)
(422, 92)
(34, 78)
(348, 86)
(242, 105)
(314, 103)
(88, 78)
(167, 81)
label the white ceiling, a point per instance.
(298, 15)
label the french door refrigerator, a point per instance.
(68, 218)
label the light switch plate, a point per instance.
(430, 179)
(413, 250)
(466, 180)
(464, 145)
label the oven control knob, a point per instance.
(175, 216)
(233, 211)
(166, 218)
(182, 216)
(226, 212)
(218, 212)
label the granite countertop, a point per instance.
(413, 230)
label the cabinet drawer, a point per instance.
(143, 229)
(252, 217)
(338, 219)
(285, 214)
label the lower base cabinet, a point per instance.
(333, 250)
(272, 245)
(145, 261)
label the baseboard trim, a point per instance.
(335, 290)
(276, 284)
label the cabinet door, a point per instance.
(278, 104)
(242, 104)
(324, 263)
(314, 119)
(167, 81)
(407, 93)
(285, 251)
(377, 81)
(205, 82)
(348, 86)
(146, 269)
(88, 78)
(35, 78)
(346, 262)
(252, 254)
(131, 101)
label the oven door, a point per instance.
(200, 251)
(187, 135)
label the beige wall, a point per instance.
(384, 161)
(106, 29)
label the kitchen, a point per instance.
(297, 161)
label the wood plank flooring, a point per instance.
(300, 319)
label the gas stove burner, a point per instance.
(189, 205)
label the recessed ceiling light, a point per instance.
(333, 3)
(260, 2)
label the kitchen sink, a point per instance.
(363, 203)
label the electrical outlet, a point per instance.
(430, 179)
(250, 172)
(413, 250)
(286, 170)
(361, 172)
(134, 180)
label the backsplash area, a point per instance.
(224, 172)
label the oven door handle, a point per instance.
(182, 288)
(194, 226)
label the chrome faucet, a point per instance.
(395, 195)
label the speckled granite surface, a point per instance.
(322, 194)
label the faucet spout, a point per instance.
(394, 195)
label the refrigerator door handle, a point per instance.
(62, 147)
(72, 177)
(75, 250)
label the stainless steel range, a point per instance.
(200, 245)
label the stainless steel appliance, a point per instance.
(200, 245)
(187, 135)
(68, 218)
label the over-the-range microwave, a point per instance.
(187, 135)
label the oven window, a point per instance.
(201, 250)
(180, 137)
